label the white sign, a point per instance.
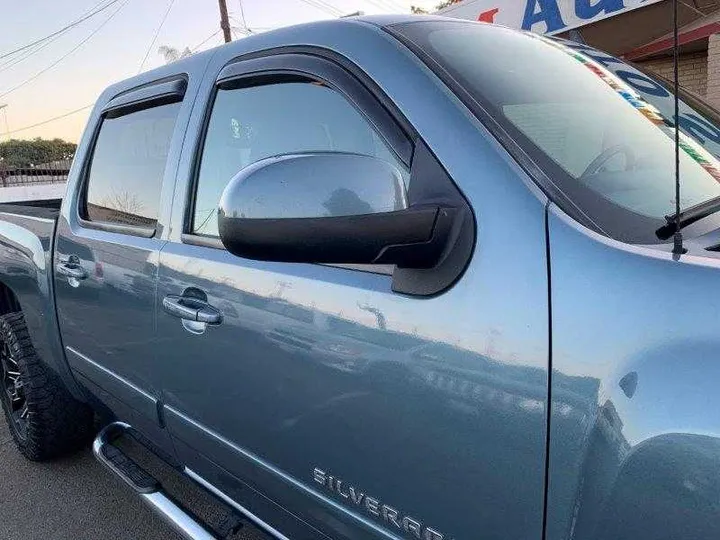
(542, 16)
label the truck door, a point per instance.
(107, 250)
(316, 398)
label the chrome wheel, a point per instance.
(13, 394)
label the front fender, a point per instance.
(650, 456)
(635, 420)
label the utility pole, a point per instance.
(224, 23)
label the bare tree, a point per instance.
(172, 54)
(422, 11)
(124, 201)
(446, 3)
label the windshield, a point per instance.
(598, 127)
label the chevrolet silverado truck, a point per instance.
(384, 278)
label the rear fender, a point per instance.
(26, 271)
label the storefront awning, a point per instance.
(691, 36)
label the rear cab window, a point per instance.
(125, 172)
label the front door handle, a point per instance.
(176, 306)
(71, 269)
(209, 315)
(191, 309)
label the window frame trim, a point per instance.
(148, 96)
(160, 94)
(315, 64)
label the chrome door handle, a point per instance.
(191, 309)
(71, 270)
(175, 306)
(209, 314)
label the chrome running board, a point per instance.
(145, 485)
(262, 525)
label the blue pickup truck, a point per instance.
(384, 278)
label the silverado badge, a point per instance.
(373, 506)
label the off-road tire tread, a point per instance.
(58, 424)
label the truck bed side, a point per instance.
(26, 237)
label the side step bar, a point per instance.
(147, 487)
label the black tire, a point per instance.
(45, 420)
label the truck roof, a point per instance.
(300, 34)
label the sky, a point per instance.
(116, 49)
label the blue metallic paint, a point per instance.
(438, 406)
(634, 431)
(26, 269)
(113, 354)
(441, 417)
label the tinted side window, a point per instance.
(250, 124)
(126, 172)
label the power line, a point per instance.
(317, 4)
(242, 14)
(241, 28)
(100, 7)
(97, 8)
(250, 30)
(204, 41)
(27, 54)
(329, 6)
(71, 51)
(377, 4)
(396, 5)
(246, 30)
(49, 120)
(36, 49)
(386, 4)
(157, 32)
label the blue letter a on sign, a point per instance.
(548, 12)
(585, 9)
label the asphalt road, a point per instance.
(76, 499)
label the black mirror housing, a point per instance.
(339, 208)
(406, 238)
(328, 208)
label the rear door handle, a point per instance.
(71, 270)
(191, 309)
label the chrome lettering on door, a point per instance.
(375, 507)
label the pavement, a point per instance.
(75, 498)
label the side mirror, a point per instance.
(329, 208)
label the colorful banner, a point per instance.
(704, 130)
(642, 96)
(542, 16)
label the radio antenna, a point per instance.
(677, 237)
